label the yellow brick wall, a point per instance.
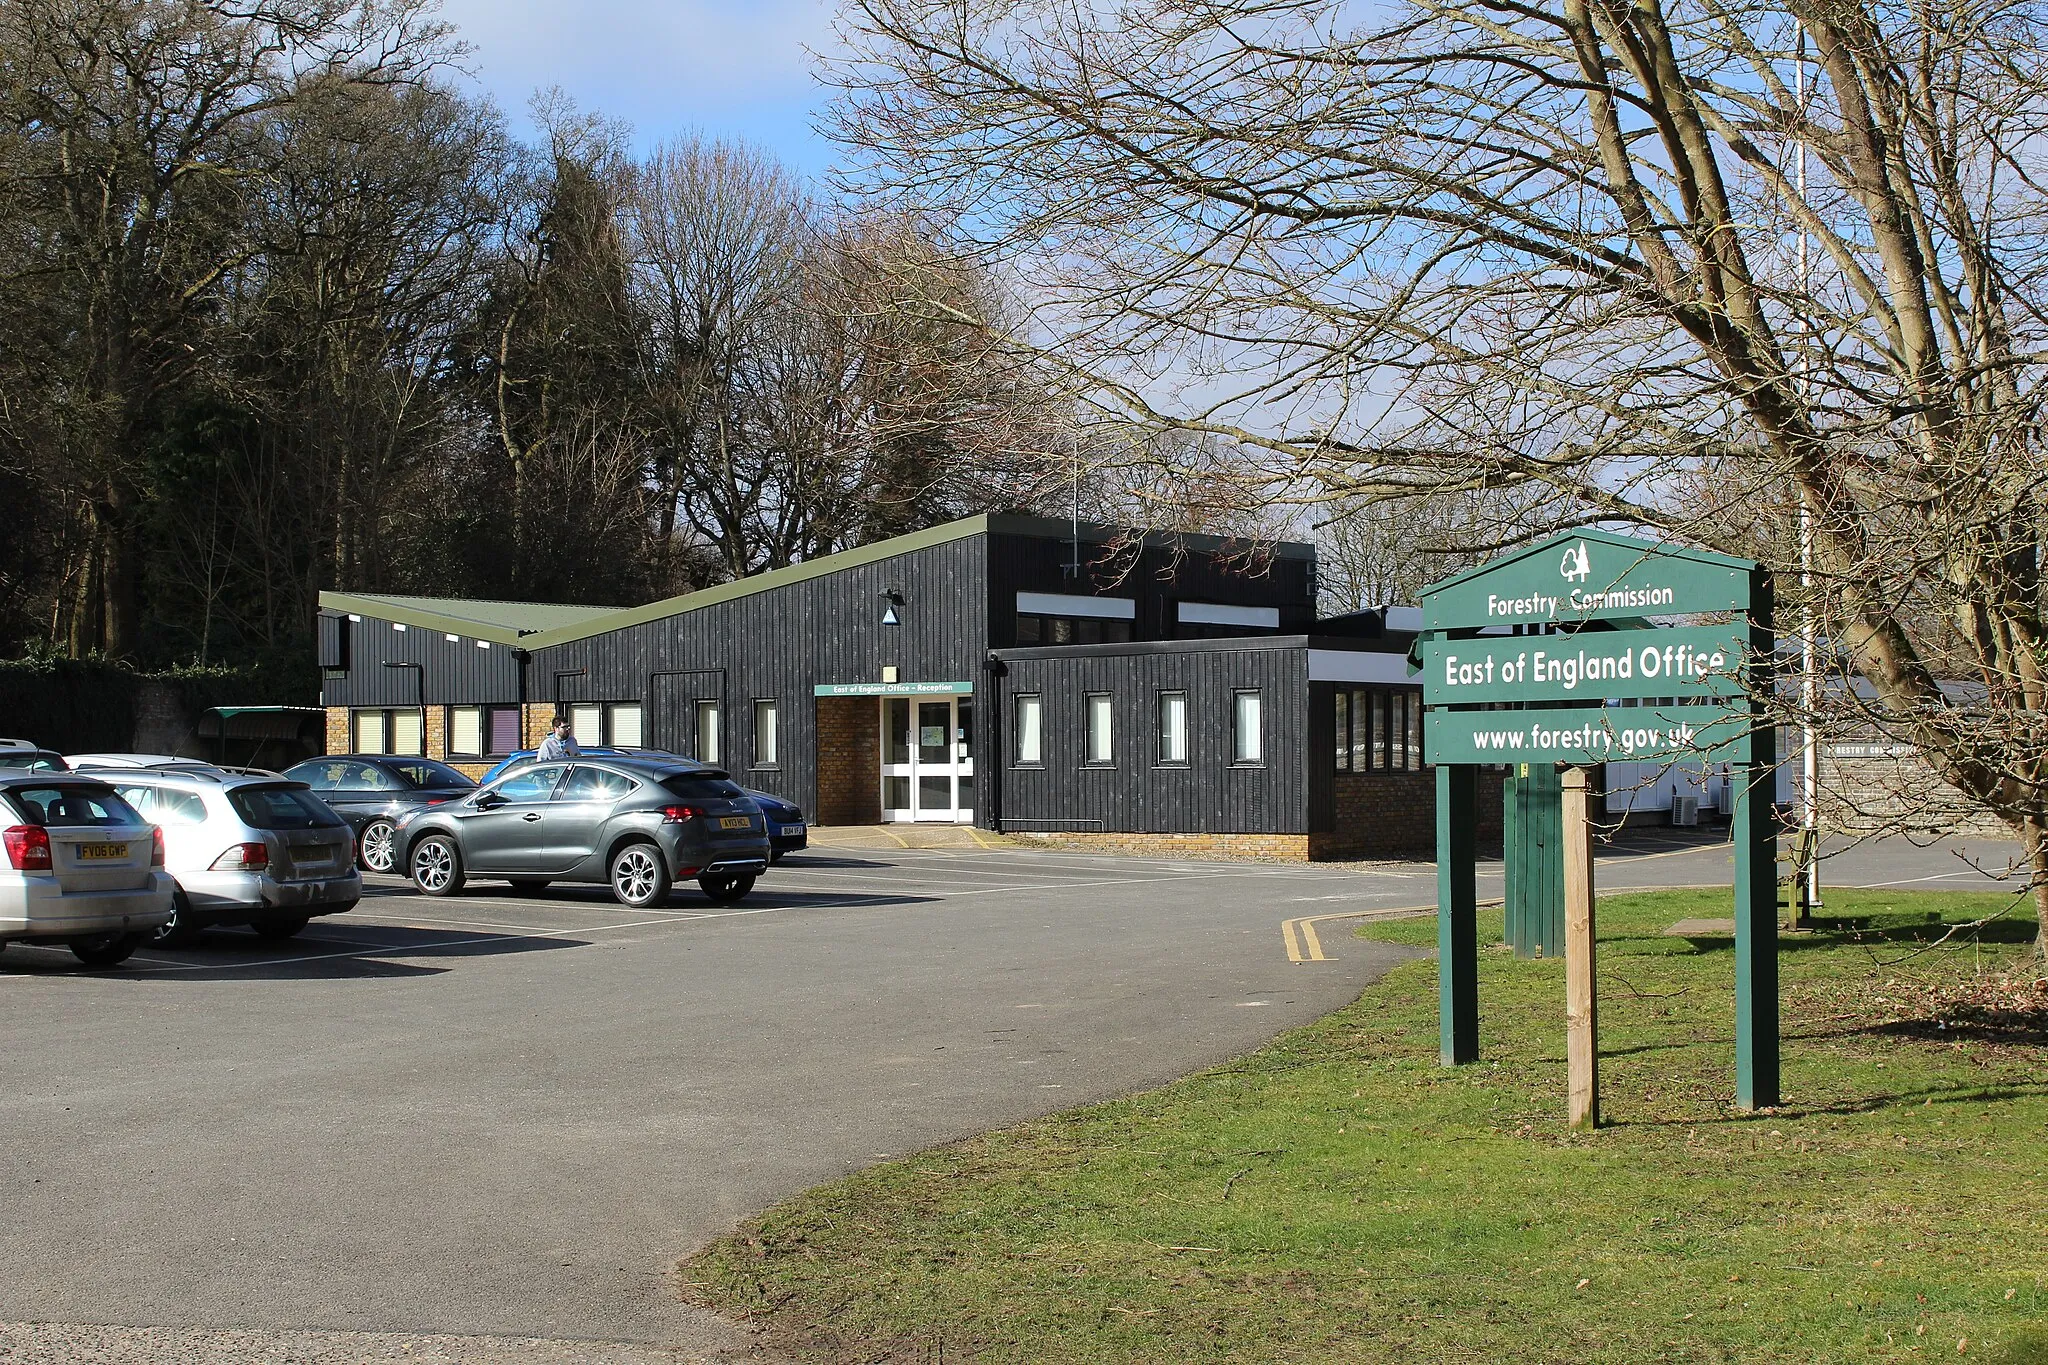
(337, 730)
(1283, 847)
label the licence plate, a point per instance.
(734, 822)
(99, 852)
(789, 829)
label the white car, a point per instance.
(78, 866)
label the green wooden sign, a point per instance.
(1582, 734)
(912, 689)
(1495, 700)
(1690, 661)
(1588, 576)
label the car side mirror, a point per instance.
(488, 801)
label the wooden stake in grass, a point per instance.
(1581, 1009)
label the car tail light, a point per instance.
(675, 815)
(156, 848)
(688, 871)
(243, 858)
(28, 848)
(436, 800)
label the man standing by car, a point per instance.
(559, 744)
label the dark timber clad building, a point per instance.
(990, 670)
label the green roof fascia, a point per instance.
(1018, 524)
(1631, 544)
(384, 610)
(530, 617)
(766, 582)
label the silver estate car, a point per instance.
(78, 866)
(258, 851)
(637, 824)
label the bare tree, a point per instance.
(134, 132)
(1677, 263)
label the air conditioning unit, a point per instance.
(1726, 802)
(1685, 810)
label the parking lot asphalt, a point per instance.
(506, 1116)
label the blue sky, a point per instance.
(727, 68)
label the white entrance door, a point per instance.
(927, 759)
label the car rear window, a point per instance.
(280, 808)
(33, 760)
(701, 788)
(68, 806)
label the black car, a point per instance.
(371, 792)
(786, 830)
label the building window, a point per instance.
(764, 733)
(622, 719)
(1245, 744)
(1378, 730)
(482, 731)
(1173, 727)
(707, 731)
(613, 724)
(391, 732)
(1030, 723)
(1343, 727)
(1100, 752)
(1071, 630)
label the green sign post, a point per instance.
(1600, 683)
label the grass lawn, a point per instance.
(1339, 1196)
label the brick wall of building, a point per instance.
(540, 716)
(849, 762)
(1287, 847)
(338, 740)
(1875, 787)
(437, 732)
(1380, 815)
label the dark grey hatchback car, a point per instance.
(639, 825)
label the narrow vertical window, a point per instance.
(1173, 727)
(1415, 730)
(369, 732)
(586, 723)
(1245, 744)
(707, 731)
(1397, 730)
(1361, 730)
(1343, 727)
(625, 725)
(1379, 731)
(1099, 750)
(764, 733)
(1030, 721)
(408, 732)
(466, 730)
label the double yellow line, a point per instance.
(1300, 934)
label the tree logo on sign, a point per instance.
(1576, 566)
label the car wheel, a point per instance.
(180, 930)
(725, 888)
(528, 886)
(105, 950)
(279, 927)
(377, 850)
(640, 876)
(437, 865)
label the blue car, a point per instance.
(787, 831)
